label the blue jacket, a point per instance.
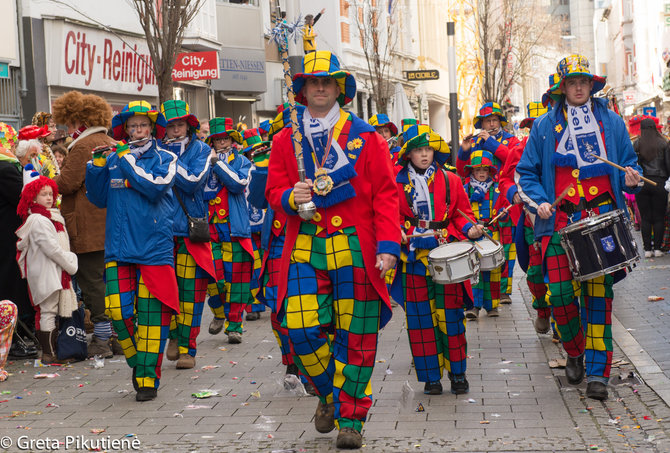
(234, 176)
(535, 172)
(192, 171)
(138, 197)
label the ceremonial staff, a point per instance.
(280, 35)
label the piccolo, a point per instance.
(135, 142)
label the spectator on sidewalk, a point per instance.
(88, 117)
(653, 154)
(308, 33)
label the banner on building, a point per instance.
(196, 66)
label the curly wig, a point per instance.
(30, 192)
(74, 107)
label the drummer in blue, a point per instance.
(559, 158)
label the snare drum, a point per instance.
(599, 245)
(491, 255)
(453, 263)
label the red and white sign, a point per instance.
(629, 97)
(196, 66)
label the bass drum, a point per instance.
(453, 263)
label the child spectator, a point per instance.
(60, 153)
(45, 258)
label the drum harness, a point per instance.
(571, 209)
(430, 224)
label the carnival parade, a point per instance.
(145, 246)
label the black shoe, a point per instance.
(596, 390)
(146, 394)
(254, 316)
(136, 386)
(292, 369)
(20, 349)
(459, 385)
(309, 389)
(574, 370)
(433, 388)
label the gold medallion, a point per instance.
(323, 183)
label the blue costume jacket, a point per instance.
(535, 172)
(192, 171)
(140, 207)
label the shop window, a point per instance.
(240, 2)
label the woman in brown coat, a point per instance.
(88, 117)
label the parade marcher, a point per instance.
(264, 130)
(482, 191)
(581, 126)
(430, 198)
(134, 181)
(308, 33)
(88, 117)
(229, 229)
(388, 131)
(193, 260)
(529, 256)
(45, 258)
(494, 139)
(331, 279)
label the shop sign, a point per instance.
(241, 71)
(196, 66)
(629, 97)
(89, 59)
(430, 74)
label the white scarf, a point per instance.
(584, 131)
(137, 151)
(316, 131)
(421, 205)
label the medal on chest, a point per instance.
(323, 183)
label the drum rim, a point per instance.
(609, 270)
(461, 254)
(591, 221)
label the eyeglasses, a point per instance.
(135, 127)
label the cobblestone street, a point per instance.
(516, 401)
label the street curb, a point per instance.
(649, 371)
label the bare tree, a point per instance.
(509, 36)
(164, 22)
(378, 31)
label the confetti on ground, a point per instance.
(233, 362)
(505, 362)
(420, 408)
(252, 382)
(471, 400)
(46, 375)
(197, 406)
(557, 363)
(209, 367)
(52, 405)
(256, 394)
(495, 415)
(205, 394)
(654, 298)
(97, 430)
(178, 415)
(223, 348)
(484, 422)
(583, 411)
(381, 361)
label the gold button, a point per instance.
(276, 224)
(497, 190)
(336, 221)
(217, 200)
(222, 212)
(593, 190)
(571, 192)
(317, 217)
(575, 173)
(504, 142)
(212, 202)
(407, 224)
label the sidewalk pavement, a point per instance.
(516, 401)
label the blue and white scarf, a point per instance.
(480, 189)
(584, 132)
(337, 164)
(137, 151)
(179, 146)
(421, 205)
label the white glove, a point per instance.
(667, 185)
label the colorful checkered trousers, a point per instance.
(435, 321)
(234, 268)
(328, 292)
(255, 305)
(141, 321)
(486, 292)
(507, 232)
(192, 281)
(588, 332)
(534, 275)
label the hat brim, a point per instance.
(392, 127)
(478, 119)
(526, 122)
(344, 80)
(190, 119)
(441, 148)
(598, 83)
(119, 123)
(232, 133)
(256, 146)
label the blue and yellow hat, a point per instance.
(488, 109)
(138, 108)
(174, 110)
(576, 65)
(382, 120)
(264, 127)
(283, 118)
(535, 110)
(555, 95)
(323, 63)
(480, 158)
(420, 135)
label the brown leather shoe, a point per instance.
(324, 418)
(185, 362)
(117, 349)
(349, 439)
(100, 348)
(542, 325)
(172, 350)
(505, 299)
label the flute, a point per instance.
(134, 142)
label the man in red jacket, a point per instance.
(332, 295)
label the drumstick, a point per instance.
(475, 223)
(500, 214)
(423, 235)
(653, 183)
(561, 196)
